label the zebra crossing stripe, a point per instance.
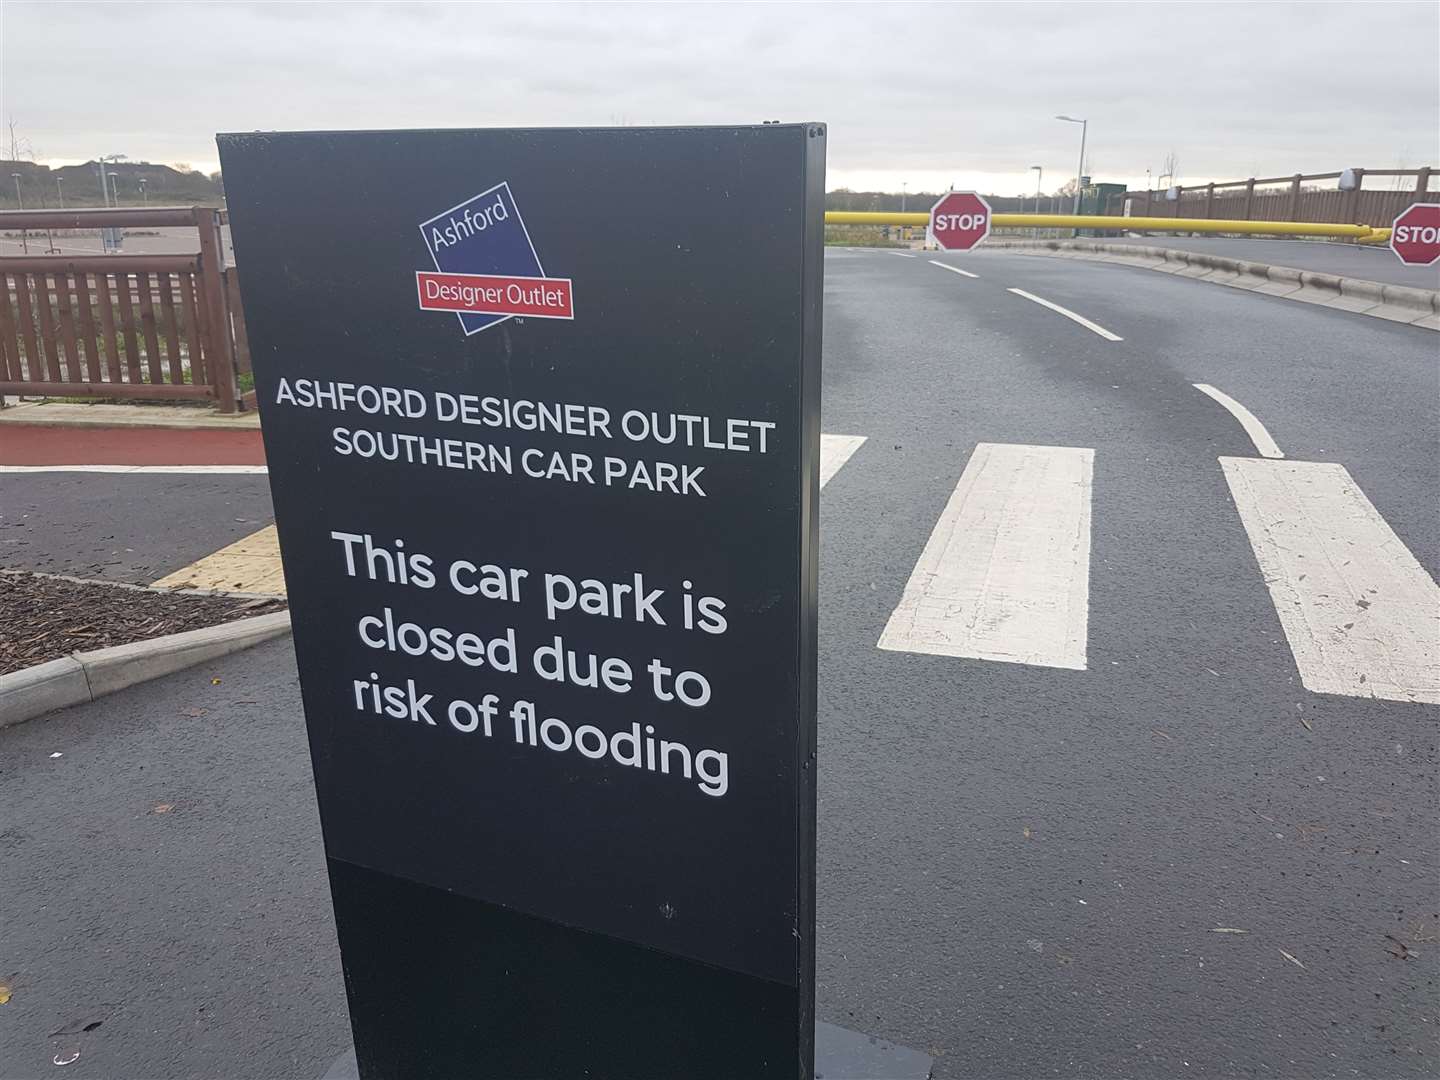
(1361, 614)
(835, 451)
(1005, 574)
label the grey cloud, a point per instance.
(1232, 87)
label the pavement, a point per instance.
(1105, 828)
(47, 413)
(1365, 261)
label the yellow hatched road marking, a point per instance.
(251, 564)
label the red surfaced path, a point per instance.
(35, 444)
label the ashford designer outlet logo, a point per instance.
(486, 268)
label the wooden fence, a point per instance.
(1301, 197)
(151, 327)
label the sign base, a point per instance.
(840, 1054)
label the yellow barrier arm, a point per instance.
(1137, 224)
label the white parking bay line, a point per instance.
(1072, 316)
(952, 269)
(1266, 446)
(835, 451)
(902, 254)
(1006, 573)
(1361, 614)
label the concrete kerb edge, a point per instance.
(34, 691)
(86, 676)
(1395, 303)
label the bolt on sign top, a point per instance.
(959, 221)
(1415, 236)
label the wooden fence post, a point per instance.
(1295, 198)
(1422, 184)
(1352, 211)
(220, 344)
(1210, 199)
(1250, 199)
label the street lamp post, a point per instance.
(144, 191)
(60, 190)
(1039, 176)
(20, 202)
(109, 237)
(903, 185)
(1080, 172)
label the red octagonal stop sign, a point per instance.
(959, 221)
(1415, 237)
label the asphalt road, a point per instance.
(163, 878)
(133, 528)
(1027, 869)
(1369, 263)
(168, 240)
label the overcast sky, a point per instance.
(926, 94)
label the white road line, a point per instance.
(1096, 327)
(835, 451)
(1006, 573)
(1361, 614)
(218, 469)
(952, 269)
(902, 254)
(1253, 427)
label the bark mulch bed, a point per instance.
(45, 618)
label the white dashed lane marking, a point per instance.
(953, 269)
(1264, 444)
(1072, 316)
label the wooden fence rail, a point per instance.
(1302, 197)
(121, 326)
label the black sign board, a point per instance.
(541, 411)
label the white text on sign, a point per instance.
(960, 222)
